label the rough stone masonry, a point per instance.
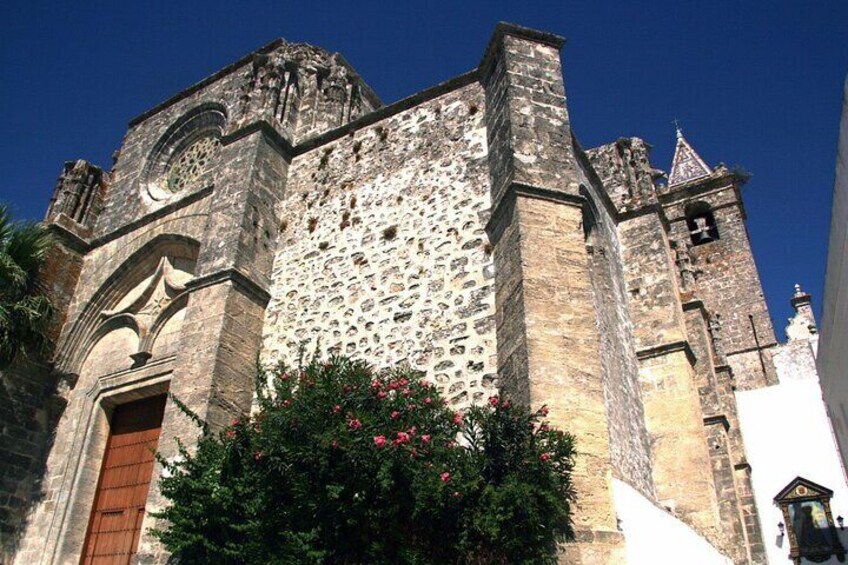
(278, 204)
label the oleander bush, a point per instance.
(341, 464)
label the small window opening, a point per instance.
(701, 224)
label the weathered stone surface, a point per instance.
(383, 254)
(726, 275)
(277, 206)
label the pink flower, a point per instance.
(428, 400)
(402, 437)
(258, 455)
(425, 383)
(544, 428)
(382, 394)
(235, 422)
(337, 408)
(380, 441)
(230, 434)
(284, 377)
(406, 392)
(403, 382)
(395, 414)
(287, 403)
(354, 423)
(412, 431)
(457, 418)
(375, 384)
(545, 456)
(543, 410)
(505, 404)
(425, 438)
(493, 400)
(445, 477)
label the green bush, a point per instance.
(344, 465)
(25, 309)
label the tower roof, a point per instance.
(687, 165)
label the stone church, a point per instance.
(464, 230)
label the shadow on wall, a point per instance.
(30, 408)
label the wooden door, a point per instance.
(118, 510)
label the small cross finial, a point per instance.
(677, 127)
(798, 290)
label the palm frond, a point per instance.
(25, 310)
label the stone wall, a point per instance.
(833, 359)
(629, 443)
(727, 278)
(717, 424)
(463, 231)
(31, 393)
(280, 88)
(383, 253)
(28, 411)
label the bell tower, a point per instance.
(706, 222)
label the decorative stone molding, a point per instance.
(183, 158)
(78, 197)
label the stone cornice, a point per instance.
(245, 284)
(504, 29)
(155, 215)
(387, 111)
(69, 238)
(205, 82)
(516, 189)
(717, 419)
(718, 181)
(694, 303)
(665, 349)
(280, 143)
(742, 465)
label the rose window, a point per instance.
(191, 163)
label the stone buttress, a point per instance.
(547, 337)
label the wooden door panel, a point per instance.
(118, 511)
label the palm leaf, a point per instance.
(25, 311)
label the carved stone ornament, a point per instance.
(191, 164)
(683, 258)
(149, 305)
(718, 340)
(809, 522)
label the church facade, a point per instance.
(278, 204)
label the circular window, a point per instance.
(190, 164)
(185, 155)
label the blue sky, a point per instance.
(753, 83)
